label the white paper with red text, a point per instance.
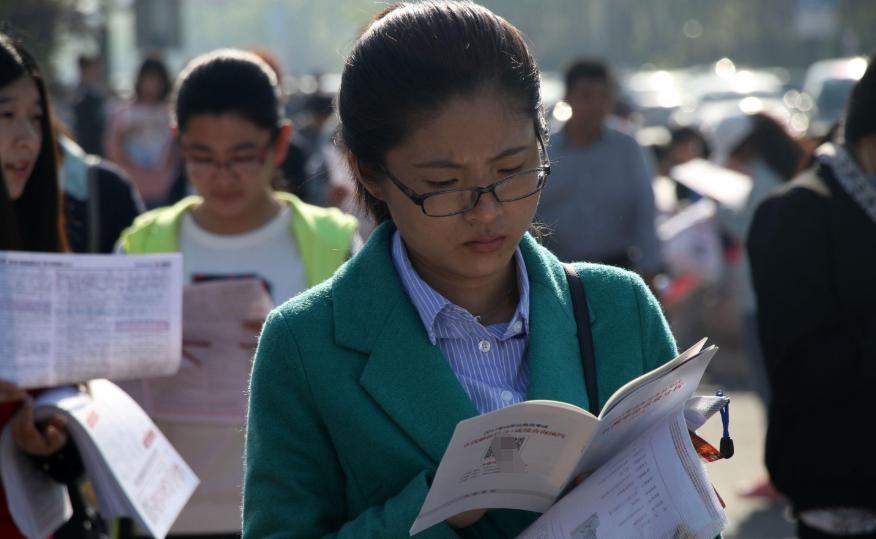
(133, 468)
(221, 324)
(68, 318)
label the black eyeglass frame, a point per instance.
(420, 199)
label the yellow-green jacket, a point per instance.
(323, 235)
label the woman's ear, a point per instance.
(367, 176)
(281, 143)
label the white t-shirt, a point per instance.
(215, 451)
(269, 253)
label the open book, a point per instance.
(68, 318)
(133, 468)
(221, 322)
(643, 477)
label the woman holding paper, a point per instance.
(30, 220)
(452, 308)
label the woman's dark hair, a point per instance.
(861, 111)
(152, 65)
(33, 222)
(229, 81)
(770, 141)
(412, 59)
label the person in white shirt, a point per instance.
(234, 138)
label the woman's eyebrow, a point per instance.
(11, 99)
(444, 163)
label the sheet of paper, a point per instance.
(68, 318)
(690, 242)
(517, 457)
(221, 323)
(38, 504)
(726, 187)
(125, 454)
(655, 488)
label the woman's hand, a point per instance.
(30, 438)
(9, 391)
(467, 518)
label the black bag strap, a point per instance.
(585, 337)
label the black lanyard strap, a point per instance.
(585, 337)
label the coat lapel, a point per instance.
(405, 374)
(410, 379)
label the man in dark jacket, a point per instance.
(812, 248)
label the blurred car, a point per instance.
(724, 90)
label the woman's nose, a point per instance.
(27, 134)
(486, 209)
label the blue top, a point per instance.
(490, 362)
(598, 201)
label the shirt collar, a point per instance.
(561, 139)
(432, 306)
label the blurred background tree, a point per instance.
(42, 24)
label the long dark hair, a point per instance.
(153, 65)
(33, 222)
(410, 61)
(770, 141)
(860, 119)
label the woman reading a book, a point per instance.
(30, 220)
(452, 309)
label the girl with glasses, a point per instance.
(234, 138)
(452, 309)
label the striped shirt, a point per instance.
(489, 362)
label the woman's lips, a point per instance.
(226, 197)
(19, 169)
(486, 245)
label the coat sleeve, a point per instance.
(294, 484)
(658, 344)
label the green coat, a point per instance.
(351, 406)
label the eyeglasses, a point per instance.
(511, 188)
(239, 166)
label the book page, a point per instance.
(518, 457)
(655, 488)
(630, 387)
(125, 455)
(38, 505)
(221, 323)
(68, 318)
(643, 406)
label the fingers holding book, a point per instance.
(42, 439)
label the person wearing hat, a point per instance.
(812, 247)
